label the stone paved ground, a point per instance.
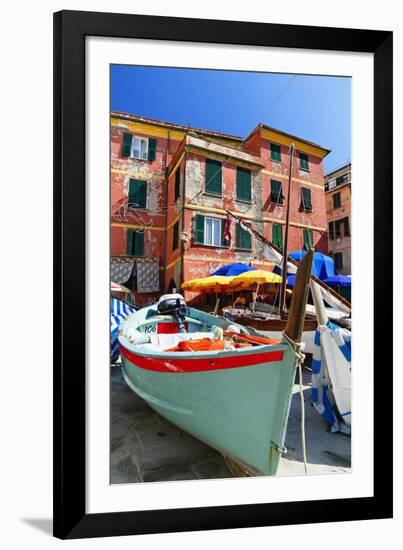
(146, 447)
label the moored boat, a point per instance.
(271, 324)
(222, 382)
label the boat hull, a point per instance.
(239, 409)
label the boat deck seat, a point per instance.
(161, 342)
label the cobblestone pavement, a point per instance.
(146, 447)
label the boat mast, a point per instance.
(285, 247)
(295, 321)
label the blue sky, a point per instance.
(317, 108)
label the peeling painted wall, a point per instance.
(152, 219)
(312, 180)
(191, 260)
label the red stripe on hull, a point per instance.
(202, 364)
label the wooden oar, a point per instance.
(251, 338)
(296, 316)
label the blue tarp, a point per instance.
(232, 270)
(322, 267)
(291, 280)
(338, 280)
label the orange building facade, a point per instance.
(338, 211)
(172, 188)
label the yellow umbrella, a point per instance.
(191, 285)
(215, 282)
(257, 276)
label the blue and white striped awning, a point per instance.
(119, 312)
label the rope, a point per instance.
(300, 357)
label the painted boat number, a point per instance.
(150, 328)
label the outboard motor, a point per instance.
(175, 305)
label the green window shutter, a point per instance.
(275, 152)
(246, 239)
(306, 201)
(199, 229)
(238, 236)
(243, 184)
(213, 183)
(142, 194)
(277, 235)
(243, 238)
(303, 161)
(336, 200)
(276, 193)
(134, 243)
(127, 145)
(129, 241)
(177, 183)
(132, 193)
(152, 148)
(138, 244)
(175, 236)
(138, 193)
(308, 239)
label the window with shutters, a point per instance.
(212, 231)
(275, 152)
(213, 181)
(276, 192)
(304, 161)
(332, 231)
(243, 184)
(177, 183)
(277, 235)
(308, 239)
(175, 236)
(338, 260)
(243, 238)
(135, 243)
(137, 197)
(346, 227)
(306, 199)
(139, 147)
(339, 229)
(336, 200)
(209, 231)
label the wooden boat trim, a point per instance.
(277, 325)
(215, 362)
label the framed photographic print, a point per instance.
(221, 207)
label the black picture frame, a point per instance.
(70, 30)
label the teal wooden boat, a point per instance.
(237, 398)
